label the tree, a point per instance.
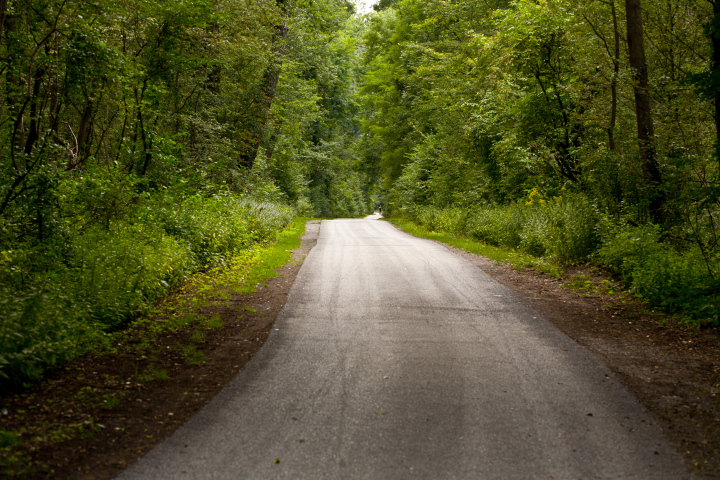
(643, 107)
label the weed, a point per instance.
(580, 282)
(151, 374)
(193, 356)
(610, 286)
(86, 392)
(160, 374)
(183, 320)
(215, 322)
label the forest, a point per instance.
(142, 141)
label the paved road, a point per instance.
(394, 358)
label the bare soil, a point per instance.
(673, 370)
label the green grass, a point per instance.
(514, 258)
(274, 256)
(193, 356)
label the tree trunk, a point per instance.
(614, 81)
(715, 39)
(83, 138)
(271, 145)
(643, 107)
(33, 133)
(270, 81)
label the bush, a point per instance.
(568, 228)
(564, 227)
(444, 220)
(42, 322)
(497, 225)
(214, 227)
(676, 282)
(118, 272)
(59, 298)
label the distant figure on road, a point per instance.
(380, 209)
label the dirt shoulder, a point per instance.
(673, 370)
(101, 413)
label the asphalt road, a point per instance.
(394, 358)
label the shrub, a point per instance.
(444, 220)
(564, 227)
(674, 281)
(568, 228)
(59, 298)
(42, 322)
(497, 225)
(117, 272)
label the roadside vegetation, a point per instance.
(675, 281)
(171, 358)
(144, 142)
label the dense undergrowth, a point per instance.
(569, 229)
(61, 297)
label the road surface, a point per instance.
(394, 358)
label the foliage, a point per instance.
(564, 228)
(107, 276)
(514, 123)
(570, 229)
(515, 258)
(141, 142)
(677, 282)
